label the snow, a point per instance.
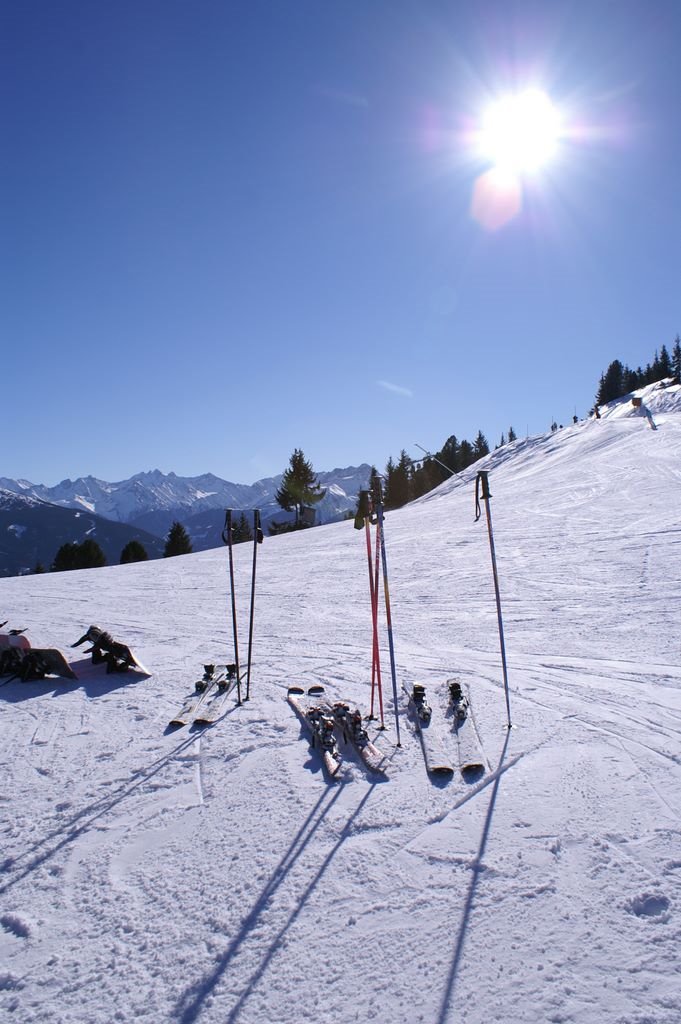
(216, 876)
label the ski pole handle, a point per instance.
(227, 531)
(481, 485)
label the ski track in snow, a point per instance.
(216, 876)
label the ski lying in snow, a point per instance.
(105, 650)
(226, 680)
(471, 756)
(32, 665)
(438, 761)
(313, 711)
(349, 722)
(202, 688)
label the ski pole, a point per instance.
(227, 538)
(386, 591)
(363, 518)
(482, 489)
(257, 539)
(377, 570)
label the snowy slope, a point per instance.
(217, 877)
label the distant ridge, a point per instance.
(33, 530)
(143, 508)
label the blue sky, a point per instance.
(234, 228)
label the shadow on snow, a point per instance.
(477, 870)
(191, 1004)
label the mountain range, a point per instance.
(35, 519)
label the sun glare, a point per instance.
(520, 132)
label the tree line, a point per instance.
(407, 479)
(619, 379)
(89, 554)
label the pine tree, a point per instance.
(66, 558)
(87, 555)
(299, 487)
(512, 436)
(466, 454)
(449, 454)
(177, 541)
(612, 384)
(90, 555)
(630, 381)
(676, 357)
(428, 476)
(665, 364)
(133, 552)
(398, 488)
(480, 446)
(242, 531)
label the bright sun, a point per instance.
(520, 132)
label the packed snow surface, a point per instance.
(218, 876)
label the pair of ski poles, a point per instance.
(365, 511)
(228, 538)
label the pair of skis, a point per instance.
(209, 699)
(435, 732)
(324, 719)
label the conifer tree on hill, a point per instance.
(398, 489)
(87, 555)
(480, 446)
(619, 379)
(133, 552)
(242, 531)
(676, 357)
(177, 542)
(299, 488)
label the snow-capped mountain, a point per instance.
(33, 530)
(217, 876)
(152, 500)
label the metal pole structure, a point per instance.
(431, 456)
(227, 537)
(257, 539)
(386, 590)
(482, 485)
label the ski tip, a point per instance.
(315, 691)
(295, 691)
(442, 770)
